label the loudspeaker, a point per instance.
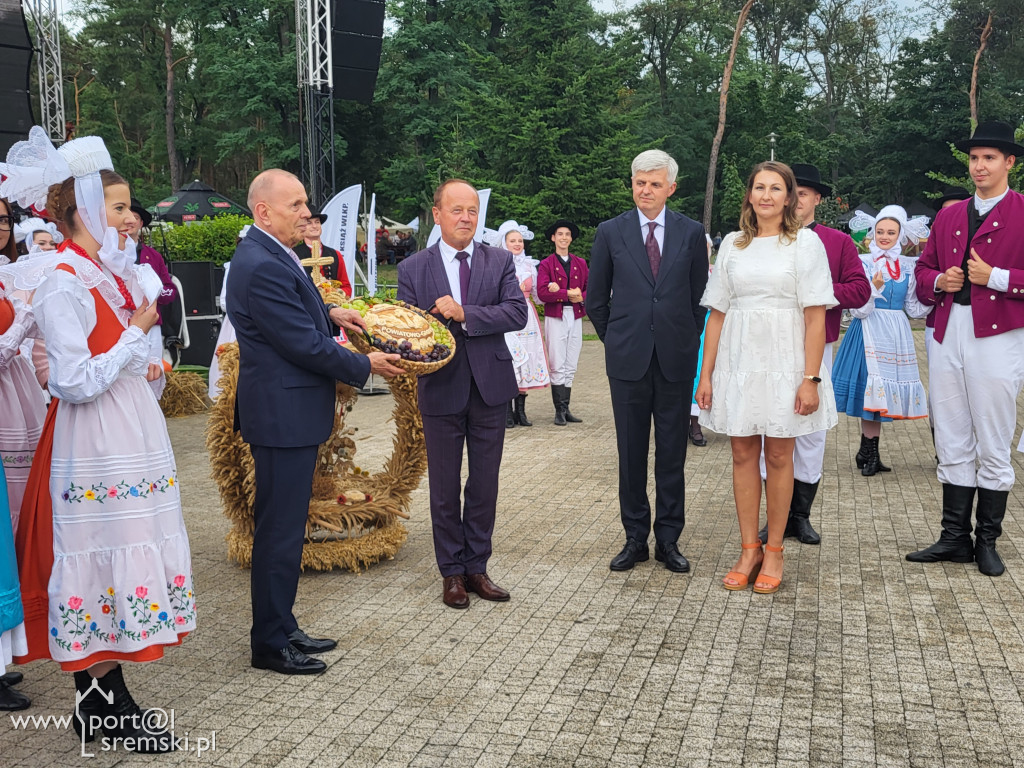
(357, 28)
(202, 340)
(15, 64)
(197, 283)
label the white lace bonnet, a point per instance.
(34, 165)
(496, 237)
(913, 229)
(23, 230)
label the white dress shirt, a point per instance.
(659, 231)
(451, 266)
(289, 251)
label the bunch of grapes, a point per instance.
(406, 351)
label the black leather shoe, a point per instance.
(12, 678)
(634, 552)
(12, 700)
(303, 642)
(671, 557)
(288, 661)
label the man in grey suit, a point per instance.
(648, 269)
(473, 289)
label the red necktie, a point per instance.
(653, 251)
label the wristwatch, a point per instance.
(330, 307)
(815, 379)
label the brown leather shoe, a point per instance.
(454, 593)
(485, 588)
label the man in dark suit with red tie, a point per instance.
(648, 269)
(473, 289)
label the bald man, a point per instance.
(289, 362)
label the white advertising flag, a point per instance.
(339, 231)
(371, 248)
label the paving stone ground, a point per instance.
(862, 659)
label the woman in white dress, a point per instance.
(104, 560)
(527, 345)
(762, 374)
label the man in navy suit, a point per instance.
(473, 288)
(289, 362)
(648, 269)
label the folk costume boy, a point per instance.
(972, 271)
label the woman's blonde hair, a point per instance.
(748, 219)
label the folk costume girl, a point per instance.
(22, 408)
(527, 346)
(562, 287)
(104, 559)
(875, 375)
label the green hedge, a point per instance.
(207, 240)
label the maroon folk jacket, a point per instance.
(550, 271)
(998, 243)
(849, 283)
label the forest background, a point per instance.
(547, 101)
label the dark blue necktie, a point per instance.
(463, 258)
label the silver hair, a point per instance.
(655, 160)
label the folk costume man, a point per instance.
(648, 270)
(851, 289)
(311, 243)
(972, 271)
(473, 289)
(562, 288)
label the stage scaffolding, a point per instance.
(316, 97)
(45, 17)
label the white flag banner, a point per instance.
(371, 248)
(485, 196)
(414, 225)
(339, 231)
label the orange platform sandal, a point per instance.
(772, 582)
(742, 579)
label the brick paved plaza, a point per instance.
(862, 659)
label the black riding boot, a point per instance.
(566, 395)
(799, 523)
(556, 399)
(510, 416)
(991, 509)
(521, 411)
(954, 544)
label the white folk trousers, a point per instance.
(974, 386)
(563, 337)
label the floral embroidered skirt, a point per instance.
(121, 582)
(22, 410)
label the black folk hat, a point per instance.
(809, 176)
(142, 213)
(995, 134)
(949, 192)
(549, 233)
(316, 214)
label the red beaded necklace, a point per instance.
(129, 302)
(895, 275)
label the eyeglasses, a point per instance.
(6, 223)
